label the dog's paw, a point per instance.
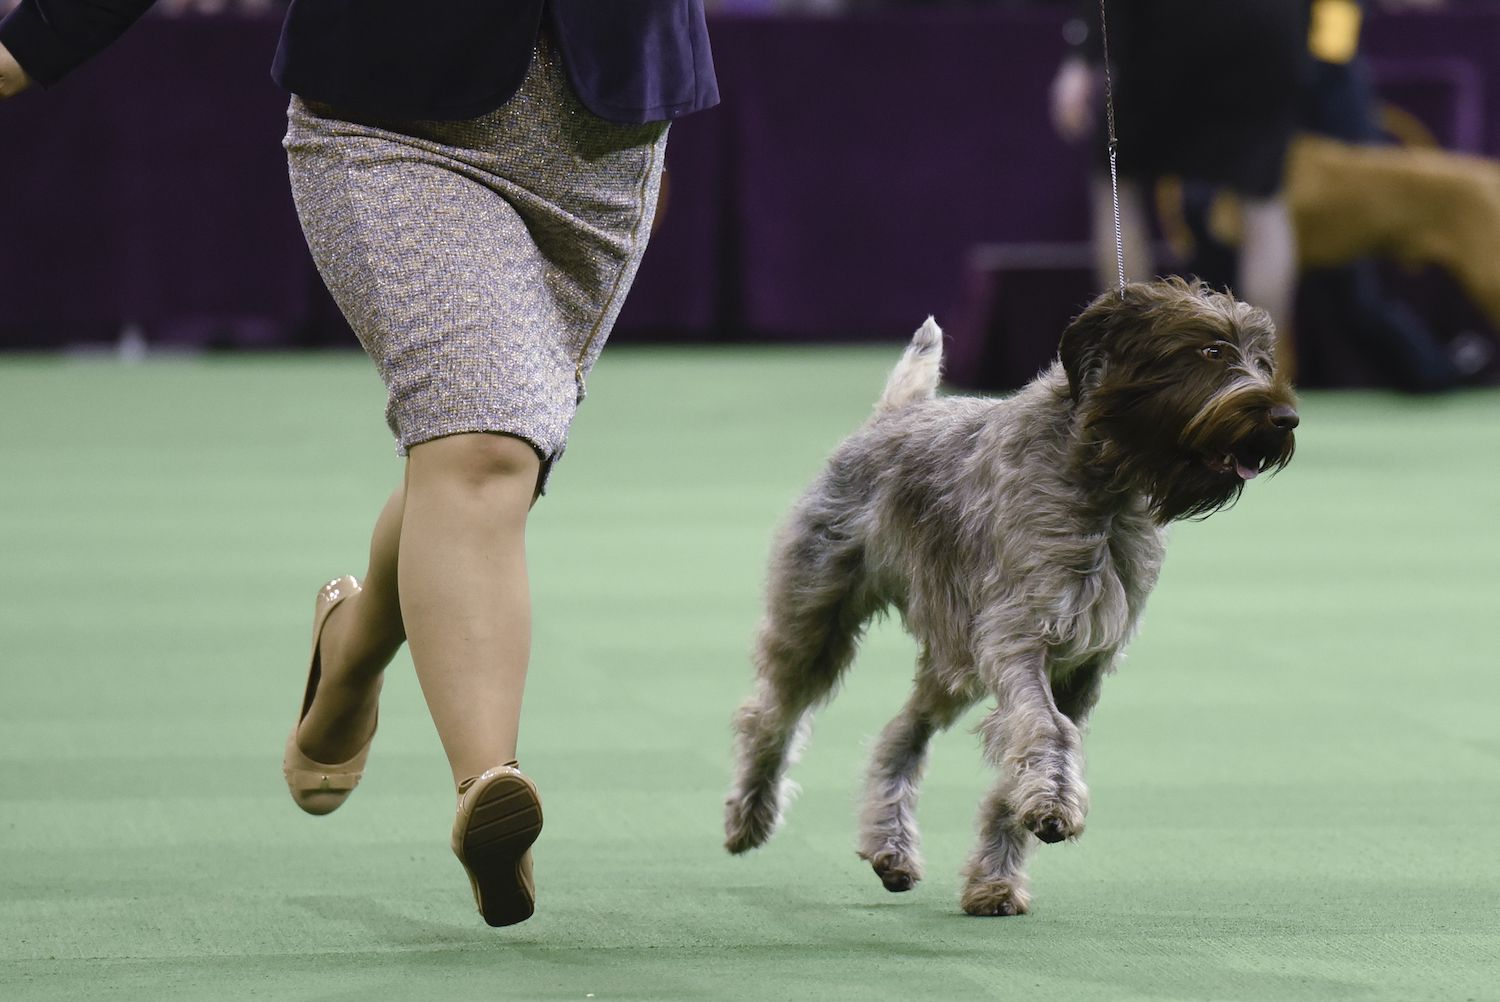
(749, 822)
(896, 870)
(1049, 796)
(999, 897)
(1055, 812)
(1053, 823)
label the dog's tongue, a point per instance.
(1245, 470)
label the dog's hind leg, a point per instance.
(889, 839)
(816, 610)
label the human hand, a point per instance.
(1072, 99)
(13, 79)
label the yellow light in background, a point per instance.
(1334, 33)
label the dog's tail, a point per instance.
(916, 376)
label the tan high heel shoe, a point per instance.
(319, 788)
(499, 817)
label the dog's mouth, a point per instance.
(1236, 456)
(1242, 462)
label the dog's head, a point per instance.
(1177, 394)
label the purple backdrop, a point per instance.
(835, 193)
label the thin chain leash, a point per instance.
(1114, 142)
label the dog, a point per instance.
(1018, 538)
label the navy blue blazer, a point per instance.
(628, 60)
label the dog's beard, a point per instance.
(1193, 491)
(1174, 485)
(1201, 469)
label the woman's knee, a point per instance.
(477, 461)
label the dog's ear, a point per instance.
(1087, 342)
(1083, 346)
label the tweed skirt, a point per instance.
(481, 263)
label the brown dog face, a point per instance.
(1178, 395)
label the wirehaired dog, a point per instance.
(1019, 539)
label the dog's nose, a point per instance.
(1283, 417)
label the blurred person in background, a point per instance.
(476, 183)
(1358, 197)
(1350, 196)
(1205, 90)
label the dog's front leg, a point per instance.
(1039, 792)
(1036, 746)
(995, 876)
(1077, 692)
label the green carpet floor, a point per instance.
(1296, 774)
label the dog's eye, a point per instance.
(1213, 352)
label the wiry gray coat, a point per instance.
(1018, 538)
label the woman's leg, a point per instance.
(464, 594)
(359, 639)
(1268, 268)
(459, 589)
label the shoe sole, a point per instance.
(504, 823)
